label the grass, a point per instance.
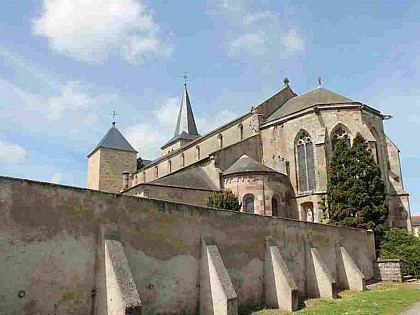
(384, 299)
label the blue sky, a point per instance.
(66, 65)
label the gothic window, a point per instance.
(156, 172)
(169, 166)
(144, 177)
(340, 133)
(274, 210)
(241, 132)
(249, 203)
(182, 160)
(197, 149)
(220, 139)
(306, 164)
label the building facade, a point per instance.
(274, 158)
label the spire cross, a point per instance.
(185, 76)
(114, 114)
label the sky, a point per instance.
(65, 65)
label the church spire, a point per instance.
(186, 123)
(186, 129)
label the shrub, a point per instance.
(224, 200)
(356, 193)
(399, 243)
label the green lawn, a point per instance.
(384, 299)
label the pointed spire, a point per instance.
(186, 128)
(186, 122)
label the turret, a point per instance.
(112, 156)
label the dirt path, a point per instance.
(415, 309)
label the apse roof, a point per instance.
(247, 165)
(318, 96)
(194, 177)
(113, 139)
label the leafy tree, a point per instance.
(356, 193)
(399, 243)
(224, 200)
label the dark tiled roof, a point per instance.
(185, 126)
(183, 135)
(194, 177)
(318, 96)
(415, 220)
(114, 140)
(247, 165)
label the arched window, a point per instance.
(169, 166)
(241, 132)
(220, 138)
(156, 172)
(340, 133)
(274, 209)
(197, 151)
(305, 159)
(249, 203)
(182, 159)
(144, 177)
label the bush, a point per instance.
(399, 243)
(224, 200)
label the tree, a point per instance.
(356, 193)
(399, 243)
(224, 200)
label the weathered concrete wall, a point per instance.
(48, 241)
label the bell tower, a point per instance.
(112, 156)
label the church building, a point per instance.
(274, 158)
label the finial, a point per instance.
(319, 81)
(286, 82)
(185, 76)
(114, 114)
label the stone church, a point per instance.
(274, 157)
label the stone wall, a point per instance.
(192, 196)
(387, 270)
(50, 251)
(264, 187)
(105, 168)
(279, 139)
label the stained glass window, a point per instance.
(306, 164)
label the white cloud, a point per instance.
(207, 123)
(256, 32)
(91, 30)
(71, 99)
(56, 178)
(257, 16)
(293, 42)
(167, 114)
(245, 43)
(11, 153)
(147, 139)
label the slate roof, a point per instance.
(247, 165)
(185, 126)
(194, 177)
(318, 96)
(415, 220)
(113, 139)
